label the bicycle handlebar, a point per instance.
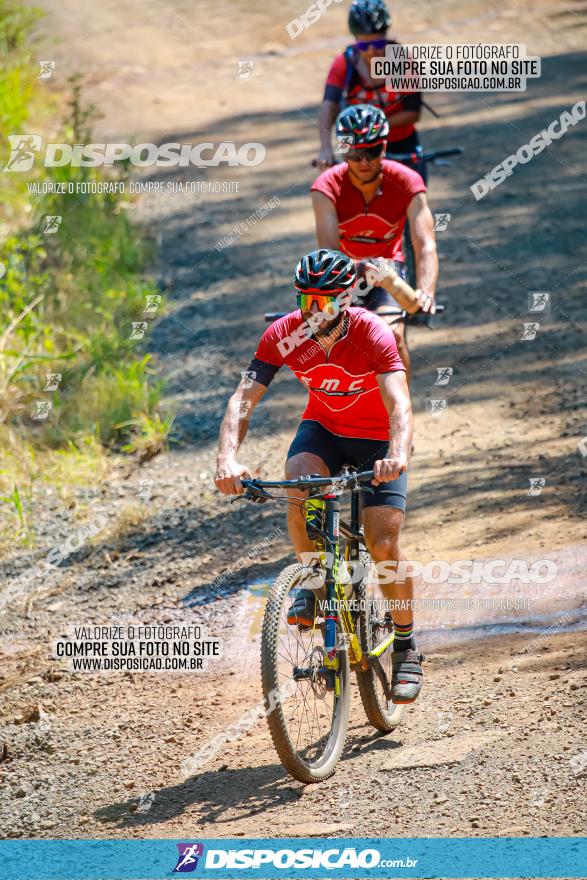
(342, 480)
(426, 157)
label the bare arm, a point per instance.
(396, 397)
(328, 113)
(404, 117)
(424, 244)
(233, 431)
(327, 233)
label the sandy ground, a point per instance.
(494, 744)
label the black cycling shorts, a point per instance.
(378, 296)
(336, 451)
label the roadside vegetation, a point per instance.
(76, 379)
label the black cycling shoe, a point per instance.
(407, 675)
(303, 609)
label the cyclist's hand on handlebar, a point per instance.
(387, 469)
(228, 474)
(324, 159)
(376, 270)
(426, 300)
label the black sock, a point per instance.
(403, 637)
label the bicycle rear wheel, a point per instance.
(375, 682)
(308, 723)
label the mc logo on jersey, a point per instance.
(187, 860)
(335, 388)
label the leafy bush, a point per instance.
(68, 299)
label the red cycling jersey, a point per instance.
(345, 83)
(344, 396)
(373, 230)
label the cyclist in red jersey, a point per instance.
(358, 412)
(361, 207)
(349, 81)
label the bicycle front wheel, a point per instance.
(308, 721)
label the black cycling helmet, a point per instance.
(325, 271)
(368, 17)
(365, 124)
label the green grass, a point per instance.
(67, 300)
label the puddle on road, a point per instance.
(561, 603)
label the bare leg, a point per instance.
(300, 466)
(382, 530)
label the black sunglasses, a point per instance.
(365, 45)
(369, 153)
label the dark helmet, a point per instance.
(368, 17)
(325, 271)
(366, 125)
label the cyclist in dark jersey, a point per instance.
(361, 207)
(349, 81)
(358, 412)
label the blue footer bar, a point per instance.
(313, 859)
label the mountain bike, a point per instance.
(306, 671)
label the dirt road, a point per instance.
(494, 744)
